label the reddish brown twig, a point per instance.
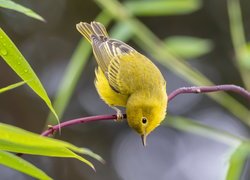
(183, 90)
(55, 128)
(208, 89)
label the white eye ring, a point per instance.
(144, 120)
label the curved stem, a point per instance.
(55, 128)
(207, 89)
(182, 90)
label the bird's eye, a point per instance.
(144, 120)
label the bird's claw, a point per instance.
(119, 116)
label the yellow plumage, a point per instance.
(126, 78)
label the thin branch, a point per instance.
(183, 90)
(208, 89)
(53, 129)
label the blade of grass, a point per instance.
(238, 38)
(73, 73)
(150, 43)
(12, 86)
(245, 56)
(14, 58)
(19, 164)
(42, 149)
(8, 4)
(160, 7)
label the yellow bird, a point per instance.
(126, 78)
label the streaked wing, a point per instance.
(108, 53)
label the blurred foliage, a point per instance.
(239, 41)
(191, 126)
(162, 8)
(188, 47)
(245, 57)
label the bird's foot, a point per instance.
(119, 115)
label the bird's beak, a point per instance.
(144, 138)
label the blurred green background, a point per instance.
(189, 40)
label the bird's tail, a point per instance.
(94, 28)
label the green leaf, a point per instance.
(188, 47)
(19, 164)
(8, 4)
(237, 161)
(19, 64)
(12, 86)
(239, 40)
(161, 7)
(244, 54)
(20, 141)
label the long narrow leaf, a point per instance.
(8, 4)
(161, 7)
(245, 57)
(18, 140)
(238, 38)
(19, 64)
(19, 164)
(44, 149)
(12, 86)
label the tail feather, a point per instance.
(99, 29)
(95, 28)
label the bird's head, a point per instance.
(144, 117)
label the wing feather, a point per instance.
(109, 53)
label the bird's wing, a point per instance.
(109, 53)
